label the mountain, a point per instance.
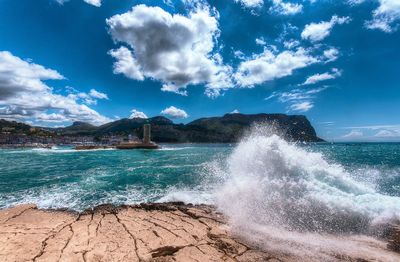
(226, 129)
(14, 127)
(77, 128)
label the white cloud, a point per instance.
(354, 134)
(285, 8)
(239, 54)
(126, 64)
(51, 118)
(278, 6)
(25, 96)
(387, 134)
(91, 2)
(99, 95)
(378, 132)
(322, 77)
(302, 106)
(319, 31)
(260, 41)
(251, 3)
(174, 49)
(291, 44)
(267, 66)
(87, 98)
(174, 112)
(385, 16)
(137, 114)
(331, 54)
(298, 99)
(235, 112)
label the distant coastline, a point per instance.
(226, 129)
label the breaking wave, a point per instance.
(296, 203)
(270, 182)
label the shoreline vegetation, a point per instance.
(148, 232)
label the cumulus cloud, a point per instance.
(385, 16)
(137, 114)
(174, 49)
(319, 31)
(251, 3)
(235, 112)
(268, 66)
(126, 64)
(51, 118)
(25, 96)
(323, 77)
(285, 8)
(174, 112)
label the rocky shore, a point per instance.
(147, 232)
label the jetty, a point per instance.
(146, 143)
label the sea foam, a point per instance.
(285, 199)
(269, 181)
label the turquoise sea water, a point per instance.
(65, 178)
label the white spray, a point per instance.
(286, 199)
(272, 182)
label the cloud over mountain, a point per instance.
(174, 112)
(137, 114)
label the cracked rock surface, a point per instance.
(148, 232)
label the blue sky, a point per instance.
(337, 62)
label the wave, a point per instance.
(269, 181)
(285, 199)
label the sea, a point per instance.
(261, 183)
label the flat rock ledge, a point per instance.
(154, 232)
(146, 232)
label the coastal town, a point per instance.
(37, 138)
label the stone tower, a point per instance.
(146, 133)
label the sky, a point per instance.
(337, 62)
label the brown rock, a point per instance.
(394, 238)
(151, 232)
(148, 232)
